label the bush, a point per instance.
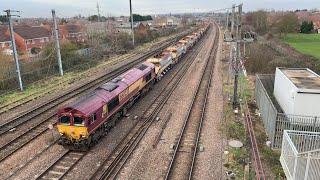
(265, 58)
(35, 50)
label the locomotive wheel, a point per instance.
(90, 142)
(124, 111)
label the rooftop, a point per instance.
(303, 78)
(3, 36)
(28, 32)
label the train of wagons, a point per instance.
(84, 122)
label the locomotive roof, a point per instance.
(88, 104)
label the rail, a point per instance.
(60, 167)
(254, 145)
(194, 117)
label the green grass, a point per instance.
(305, 43)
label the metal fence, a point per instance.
(300, 155)
(274, 120)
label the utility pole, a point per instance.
(231, 44)
(227, 23)
(15, 53)
(232, 18)
(131, 23)
(98, 9)
(238, 56)
(56, 35)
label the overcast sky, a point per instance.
(69, 8)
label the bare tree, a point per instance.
(287, 23)
(258, 20)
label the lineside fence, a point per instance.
(274, 120)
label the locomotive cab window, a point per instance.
(92, 118)
(78, 121)
(113, 103)
(65, 120)
(148, 77)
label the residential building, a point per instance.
(100, 27)
(317, 26)
(71, 32)
(125, 27)
(5, 41)
(166, 22)
(67, 31)
(27, 37)
(142, 28)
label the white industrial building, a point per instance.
(297, 90)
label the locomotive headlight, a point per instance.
(61, 134)
(82, 135)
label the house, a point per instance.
(100, 27)
(316, 26)
(164, 22)
(142, 28)
(160, 22)
(125, 27)
(71, 32)
(27, 37)
(5, 41)
(66, 31)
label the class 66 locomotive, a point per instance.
(82, 123)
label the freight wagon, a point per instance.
(162, 64)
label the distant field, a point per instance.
(305, 43)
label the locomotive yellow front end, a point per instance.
(73, 132)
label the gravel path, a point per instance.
(151, 163)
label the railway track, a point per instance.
(20, 102)
(47, 110)
(184, 155)
(59, 168)
(112, 165)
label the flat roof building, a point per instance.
(297, 90)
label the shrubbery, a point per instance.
(264, 59)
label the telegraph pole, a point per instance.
(131, 23)
(231, 45)
(232, 18)
(56, 35)
(98, 9)
(15, 55)
(227, 23)
(238, 56)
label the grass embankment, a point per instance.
(308, 44)
(234, 127)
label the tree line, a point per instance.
(138, 17)
(3, 19)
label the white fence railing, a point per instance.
(300, 155)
